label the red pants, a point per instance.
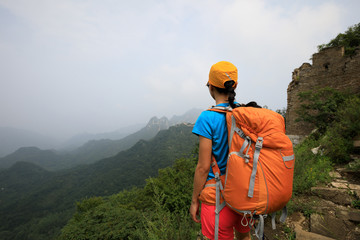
(228, 220)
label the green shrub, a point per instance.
(310, 169)
(336, 116)
(319, 107)
(164, 224)
(350, 40)
(356, 204)
(157, 211)
(338, 139)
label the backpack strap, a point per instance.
(219, 188)
(258, 147)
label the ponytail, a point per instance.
(230, 90)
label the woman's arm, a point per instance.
(201, 173)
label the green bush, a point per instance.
(350, 40)
(319, 107)
(310, 169)
(165, 224)
(337, 142)
(157, 211)
(336, 116)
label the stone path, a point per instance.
(332, 216)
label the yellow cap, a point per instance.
(222, 72)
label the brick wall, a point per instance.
(330, 68)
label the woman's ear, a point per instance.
(212, 91)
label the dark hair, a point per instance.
(251, 104)
(230, 91)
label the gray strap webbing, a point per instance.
(258, 147)
(273, 223)
(233, 125)
(218, 206)
(245, 144)
(210, 185)
(282, 217)
(259, 231)
(246, 156)
(237, 154)
(283, 214)
(288, 158)
(228, 108)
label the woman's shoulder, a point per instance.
(210, 116)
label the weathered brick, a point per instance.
(330, 68)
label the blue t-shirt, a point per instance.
(212, 125)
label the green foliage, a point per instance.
(310, 169)
(319, 107)
(350, 40)
(356, 204)
(175, 183)
(103, 221)
(354, 166)
(336, 115)
(157, 211)
(290, 233)
(337, 141)
(282, 111)
(165, 224)
(34, 201)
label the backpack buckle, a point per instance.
(217, 177)
(259, 143)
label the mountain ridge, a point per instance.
(94, 150)
(40, 194)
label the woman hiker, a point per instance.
(213, 140)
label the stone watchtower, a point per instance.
(331, 68)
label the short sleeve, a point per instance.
(203, 125)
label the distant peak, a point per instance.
(162, 123)
(28, 149)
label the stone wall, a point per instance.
(330, 68)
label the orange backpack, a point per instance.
(260, 167)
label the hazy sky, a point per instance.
(75, 66)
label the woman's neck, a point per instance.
(221, 99)
(218, 97)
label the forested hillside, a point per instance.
(44, 200)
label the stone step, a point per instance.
(348, 214)
(356, 142)
(302, 234)
(330, 225)
(335, 195)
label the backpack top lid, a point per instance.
(261, 122)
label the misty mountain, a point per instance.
(19, 180)
(80, 139)
(47, 159)
(30, 195)
(188, 117)
(90, 152)
(12, 139)
(95, 150)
